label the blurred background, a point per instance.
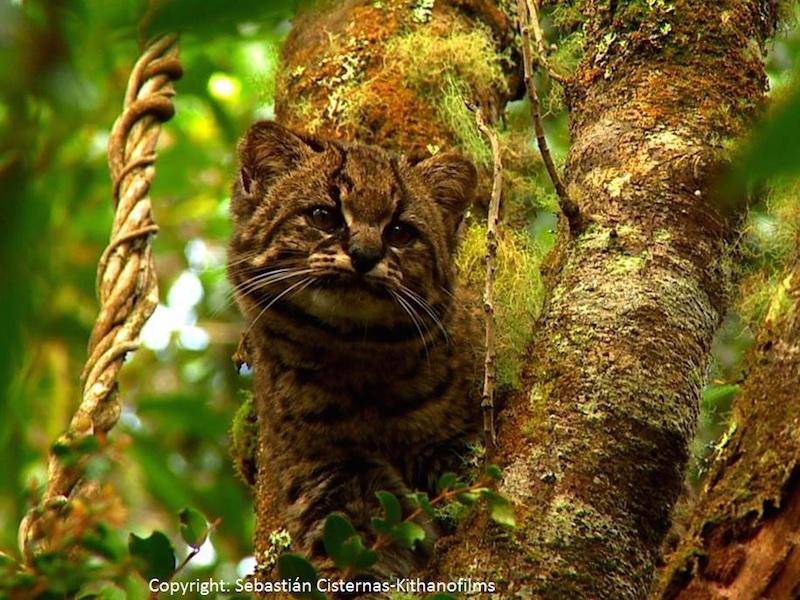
(63, 69)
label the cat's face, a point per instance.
(347, 233)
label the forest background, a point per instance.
(63, 69)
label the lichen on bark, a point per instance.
(595, 452)
(374, 71)
(739, 543)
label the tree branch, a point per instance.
(489, 366)
(568, 207)
(541, 57)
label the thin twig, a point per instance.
(541, 57)
(126, 280)
(568, 207)
(489, 363)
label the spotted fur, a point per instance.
(366, 356)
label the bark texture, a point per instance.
(594, 452)
(743, 539)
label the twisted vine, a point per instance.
(127, 287)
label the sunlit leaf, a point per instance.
(407, 534)
(337, 530)
(392, 510)
(194, 527)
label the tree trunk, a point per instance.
(594, 449)
(742, 540)
(594, 452)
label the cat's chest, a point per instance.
(377, 408)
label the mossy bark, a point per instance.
(594, 451)
(742, 539)
(595, 447)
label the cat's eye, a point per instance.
(326, 219)
(400, 234)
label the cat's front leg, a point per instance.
(349, 486)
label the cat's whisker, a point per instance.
(414, 318)
(295, 285)
(261, 281)
(425, 305)
(296, 255)
(269, 278)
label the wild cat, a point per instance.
(367, 358)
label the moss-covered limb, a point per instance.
(374, 71)
(595, 450)
(742, 539)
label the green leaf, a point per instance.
(153, 556)
(355, 555)
(407, 534)
(297, 568)
(380, 525)
(500, 509)
(446, 481)
(774, 148)
(105, 541)
(391, 506)
(441, 597)
(337, 531)
(468, 498)
(194, 527)
(494, 472)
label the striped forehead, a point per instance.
(372, 189)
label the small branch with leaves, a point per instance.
(346, 548)
(527, 12)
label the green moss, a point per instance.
(462, 65)
(467, 56)
(519, 292)
(769, 241)
(626, 265)
(452, 109)
(244, 437)
(568, 54)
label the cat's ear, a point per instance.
(452, 180)
(267, 151)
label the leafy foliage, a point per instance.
(63, 70)
(345, 546)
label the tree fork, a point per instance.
(595, 446)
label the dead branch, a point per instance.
(489, 366)
(538, 36)
(126, 280)
(568, 207)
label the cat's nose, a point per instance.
(364, 257)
